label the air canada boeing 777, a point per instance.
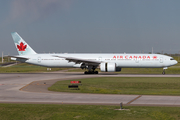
(106, 62)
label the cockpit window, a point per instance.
(171, 58)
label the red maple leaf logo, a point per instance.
(154, 57)
(21, 46)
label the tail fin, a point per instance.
(22, 47)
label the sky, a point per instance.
(91, 26)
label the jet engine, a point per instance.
(109, 67)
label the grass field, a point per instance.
(25, 68)
(123, 85)
(85, 112)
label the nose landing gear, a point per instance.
(164, 70)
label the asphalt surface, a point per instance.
(32, 88)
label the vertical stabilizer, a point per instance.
(22, 47)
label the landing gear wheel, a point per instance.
(91, 72)
(96, 72)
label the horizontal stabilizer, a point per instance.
(19, 57)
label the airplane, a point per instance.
(106, 62)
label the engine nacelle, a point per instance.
(109, 67)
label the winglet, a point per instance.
(22, 47)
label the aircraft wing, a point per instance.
(79, 60)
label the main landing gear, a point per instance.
(91, 69)
(91, 72)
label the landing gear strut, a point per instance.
(164, 70)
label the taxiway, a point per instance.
(30, 88)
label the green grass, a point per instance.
(85, 112)
(123, 85)
(25, 68)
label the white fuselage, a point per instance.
(106, 62)
(121, 60)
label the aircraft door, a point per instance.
(39, 59)
(137, 60)
(100, 59)
(161, 60)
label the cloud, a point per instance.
(36, 9)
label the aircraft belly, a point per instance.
(62, 63)
(139, 64)
(126, 63)
(53, 63)
(150, 64)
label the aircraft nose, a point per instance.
(175, 62)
